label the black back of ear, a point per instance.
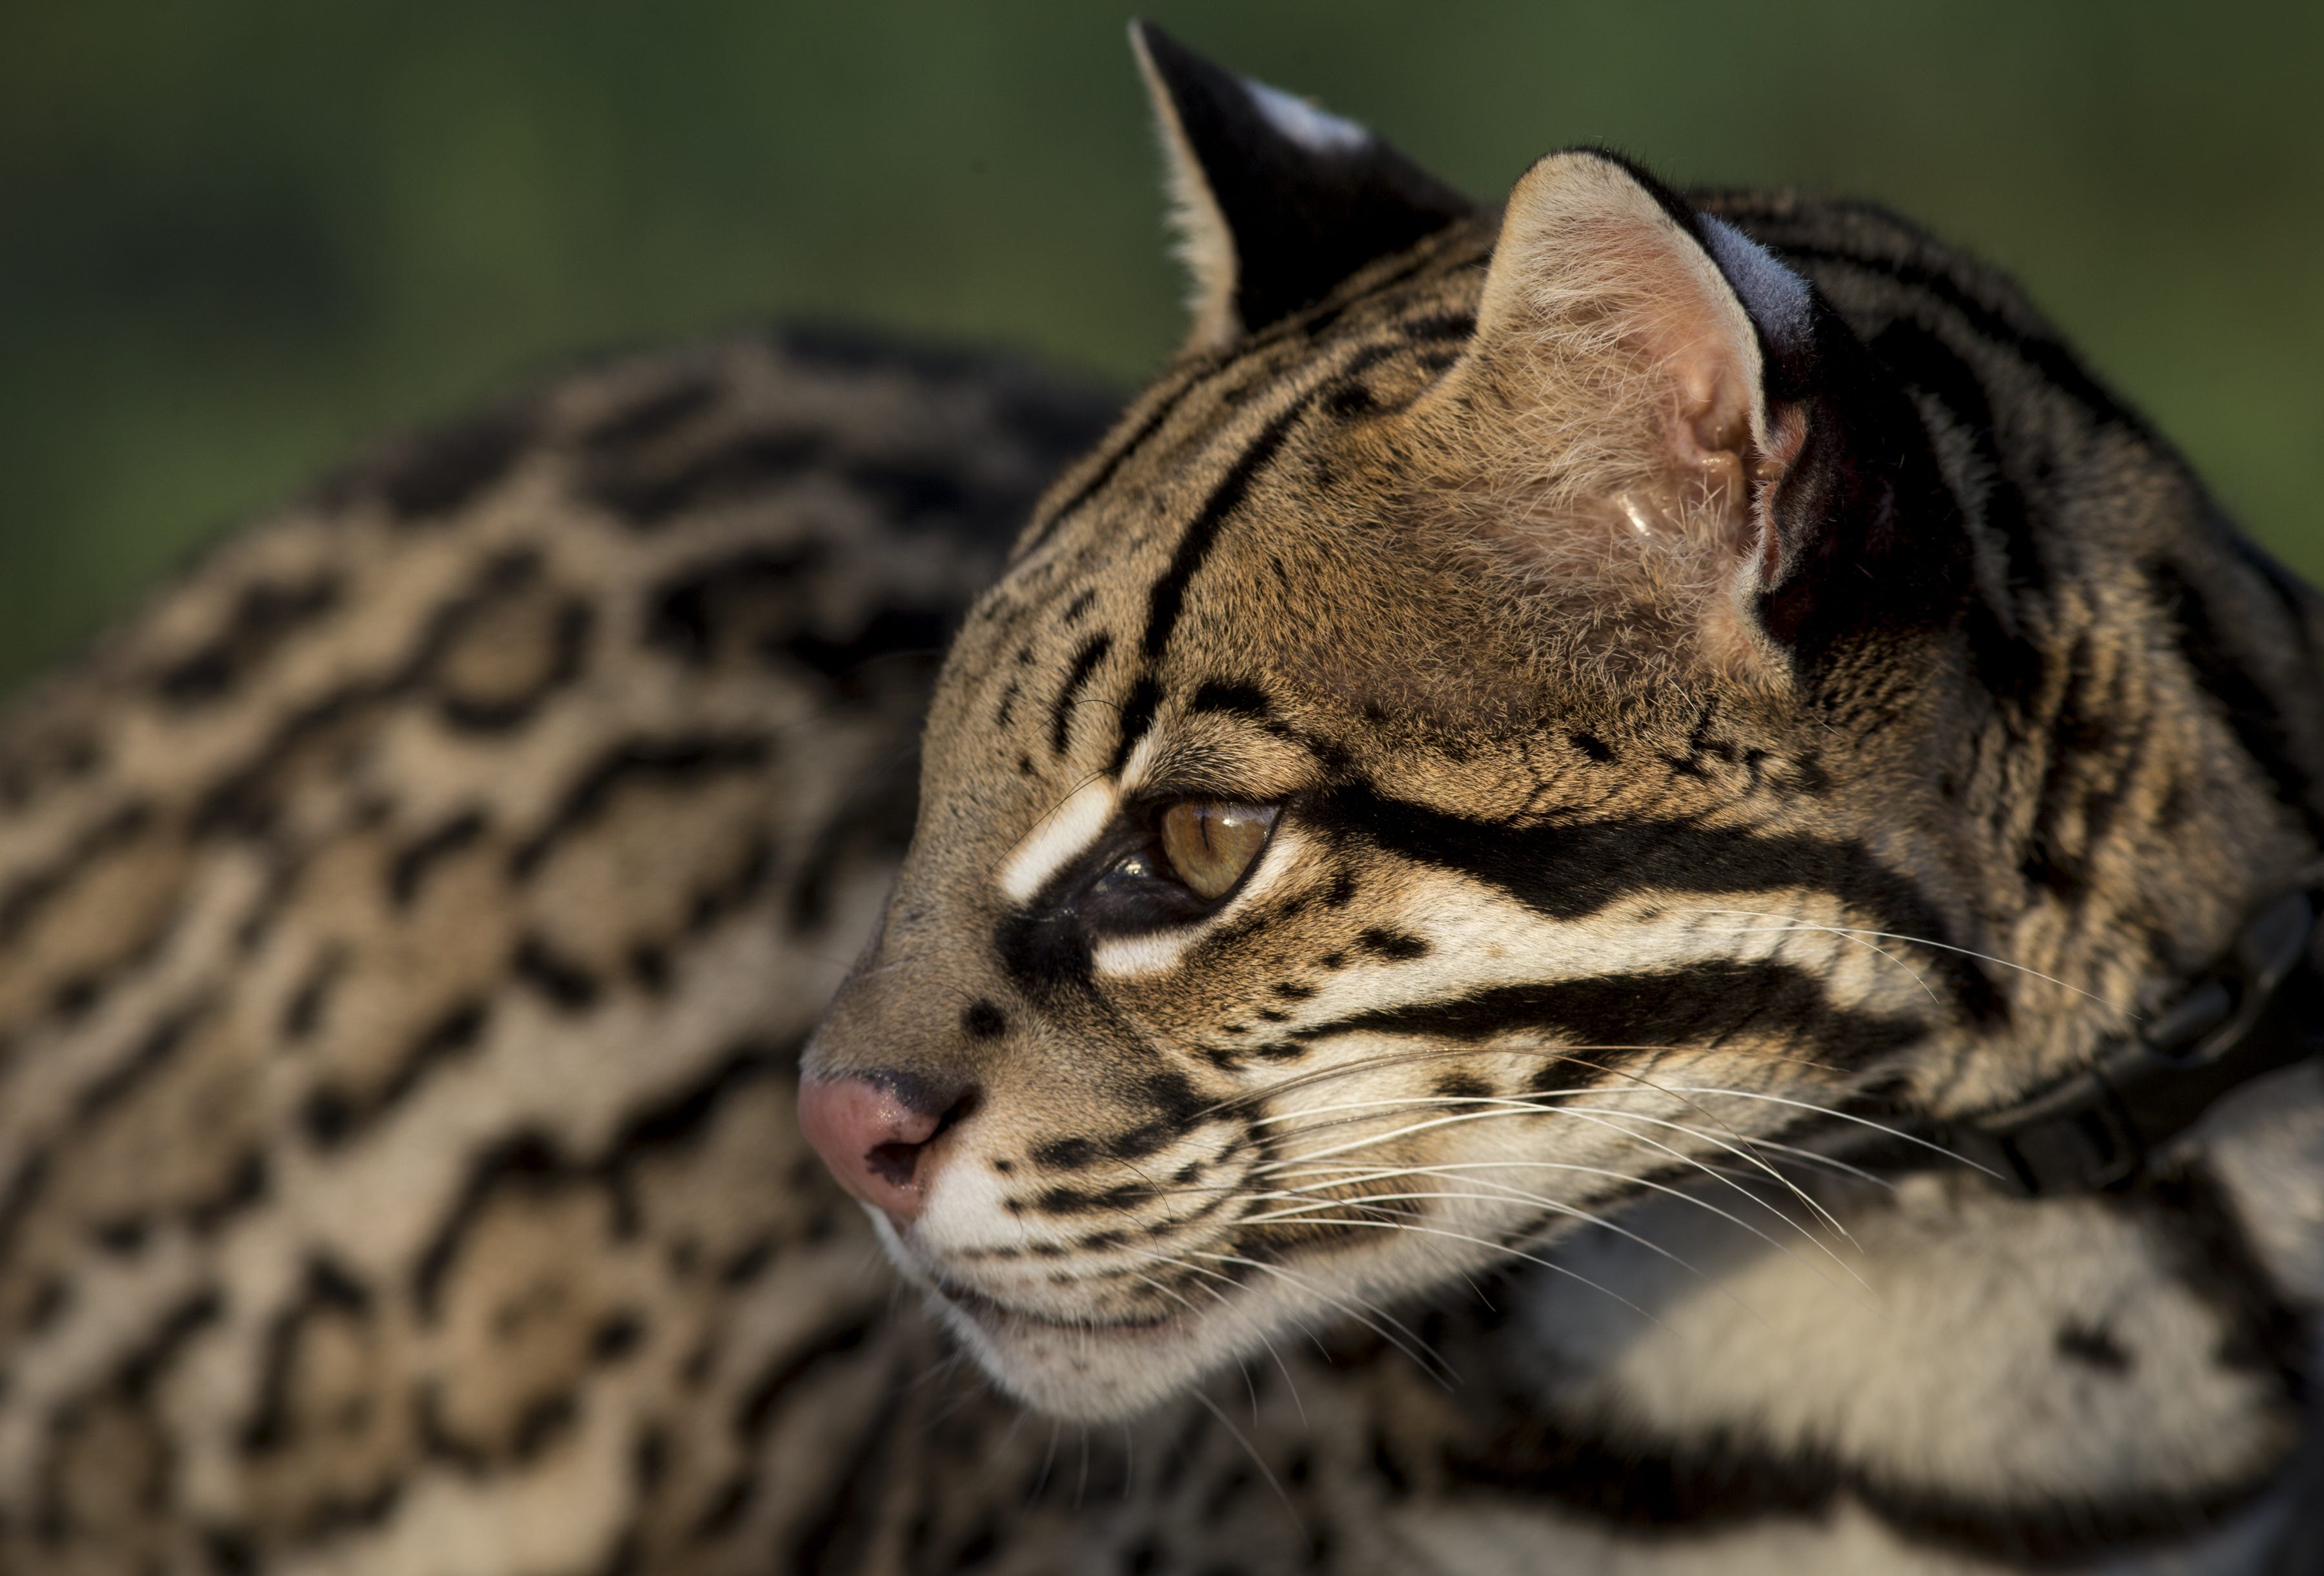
(1303, 199)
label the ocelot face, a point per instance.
(1441, 770)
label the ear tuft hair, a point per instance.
(1275, 201)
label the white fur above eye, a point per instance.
(1319, 130)
(1055, 839)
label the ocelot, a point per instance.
(1624, 885)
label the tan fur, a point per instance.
(1201, 242)
(410, 919)
(1102, 1235)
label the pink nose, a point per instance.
(876, 1134)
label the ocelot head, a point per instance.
(1526, 712)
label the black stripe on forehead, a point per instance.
(1164, 405)
(1700, 1005)
(1310, 324)
(1570, 871)
(1061, 711)
(1167, 599)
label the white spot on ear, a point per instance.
(1776, 298)
(1053, 842)
(1316, 130)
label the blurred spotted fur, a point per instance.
(407, 927)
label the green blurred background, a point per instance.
(238, 236)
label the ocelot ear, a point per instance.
(1661, 418)
(1275, 201)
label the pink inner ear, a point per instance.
(1608, 428)
(1681, 332)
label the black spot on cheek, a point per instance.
(1592, 745)
(1066, 1153)
(1292, 990)
(1463, 1086)
(1394, 945)
(982, 1021)
(1342, 890)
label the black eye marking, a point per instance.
(982, 1021)
(1127, 884)
(1394, 945)
(1138, 886)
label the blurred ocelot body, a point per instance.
(1624, 885)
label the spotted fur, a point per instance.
(411, 918)
(1729, 678)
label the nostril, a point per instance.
(874, 1130)
(894, 1162)
(898, 1158)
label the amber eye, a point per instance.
(1210, 844)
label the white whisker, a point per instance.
(1988, 957)
(1551, 1265)
(1256, 1458)
(1604, 1116)
(1861, 1121)
(1855, 937)
(1387, 1326)
(1505, 1106)
(1312, 1204)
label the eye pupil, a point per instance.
(1210, 843)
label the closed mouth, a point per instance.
(991, 1313)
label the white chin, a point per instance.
(1100, 1374)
